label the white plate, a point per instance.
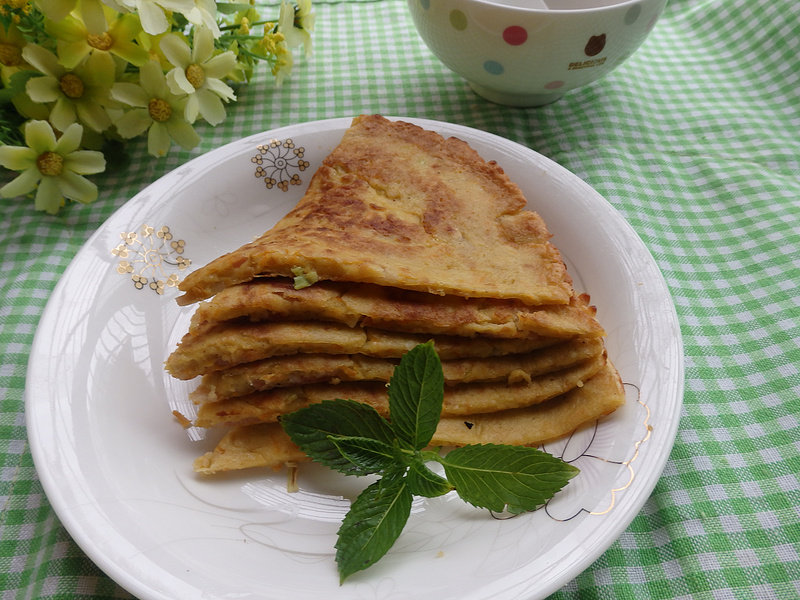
(117, 467)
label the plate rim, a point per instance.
(112, 568)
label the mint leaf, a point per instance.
(416, 392)
(354, 439)
(424, 482)
(372, 525)
(314, 427)
(367, 455)
(498, 477)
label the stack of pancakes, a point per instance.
(402, 237)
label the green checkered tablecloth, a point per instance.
(695, 140)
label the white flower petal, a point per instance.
(210, 107)
(56, 9)
(17, 158)
(44, 60)
(39, 136)
(93, 115)
(76, 187)
(152, 16)
(93, 16)
(177, 82)
(176, 50)
(151, 78)
(85, 162)
(70, 140)
(99, 70)
(191, 109)
(134, 123)
(210, 22)
(179, 6)
(221, 89)
(22, 184)
(203, 46)
(49, 197)
(130, 93)
(63, 114)
(220, 65)
(158, 141)
(43, 89)
(183, 133)
(286, 17)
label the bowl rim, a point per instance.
(560, 11)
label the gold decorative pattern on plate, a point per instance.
(581, 450)
(626, 465)
(151, 257)
(278, 162)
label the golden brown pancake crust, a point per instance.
(464, 399)
(304, 369)
(395, 309)
(267, 445)
(400, 206)
(233, 343)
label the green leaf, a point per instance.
(367, 455)
(314, 427)
(416, 392)
(424, 482)
(230, 8)
(372, 525)
(16, 85)
(498, 477)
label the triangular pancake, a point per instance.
(599, 396)
(233, 343)
(267, 445)
(464, 399)
(401, 206)
(304, 369)
(395, 309)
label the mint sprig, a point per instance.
(354, 439)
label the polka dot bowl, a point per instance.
(531, 52)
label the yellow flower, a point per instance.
(204, 13)
(55, 166)
(11, 44)
(75, 42)
(198, 72)
(284, 61)
(152, 44)
(273, 42)
(156, 110)
(296, 24)
(78, 94)
(90, 11)
(153, 13)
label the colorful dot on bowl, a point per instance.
(553, 85)
(425, 4)
(458, 20)
(515, 35)
(595, 45)
(493, 67)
